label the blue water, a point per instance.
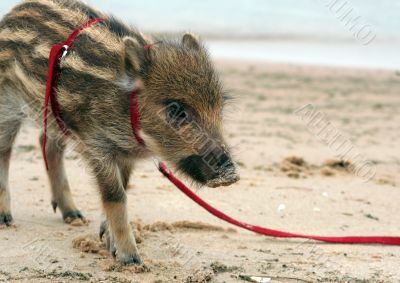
(270, 24)
(257, 17)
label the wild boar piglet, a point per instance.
(180, 107)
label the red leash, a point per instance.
(383, 240)
(53, 72)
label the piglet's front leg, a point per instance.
(116, 228)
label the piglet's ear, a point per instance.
(191, 41)
(134, 55)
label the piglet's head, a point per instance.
(181, 108)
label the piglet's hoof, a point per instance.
(123, 258)
(129, 259)
(5, 220)
(74, 218)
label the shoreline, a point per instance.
(379, 56)
(293, 67)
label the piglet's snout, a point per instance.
(223, 170)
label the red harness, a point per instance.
(59, 50)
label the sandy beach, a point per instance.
(290, 180)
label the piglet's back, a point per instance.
(31, 28)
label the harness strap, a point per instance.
(58, 51)
(134, 110)
(151, 45)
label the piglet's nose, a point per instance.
(224, 171)
(217, 159)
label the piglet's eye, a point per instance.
(176, 115)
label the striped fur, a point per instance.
(108, 60)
